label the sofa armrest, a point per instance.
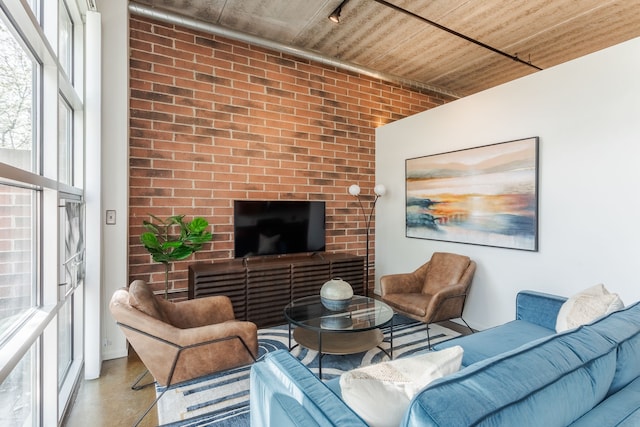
(285, 393)
(538, 308)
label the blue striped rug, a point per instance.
(222, 400)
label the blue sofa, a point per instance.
(521, 373)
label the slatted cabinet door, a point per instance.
(260, 288)
(268, 292)
(351, 270)
(308, 277)
(227, 278)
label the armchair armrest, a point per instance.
(447, 303)
(538, 308)
(449, 292)
(400, 283)
(246, 331)
(198, 312)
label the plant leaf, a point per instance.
(181, 252)
(204, 238)
(150, 227)
(171, 245)
(149, 240)
(198, 225)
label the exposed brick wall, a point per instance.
(213, 120)
(16, 240)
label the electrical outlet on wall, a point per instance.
(111, 217)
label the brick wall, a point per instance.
(213, 120)
(16, 241)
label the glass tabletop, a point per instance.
(362, 314)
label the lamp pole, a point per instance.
(379, 190)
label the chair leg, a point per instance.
(137, 387)
(465, 322)
(150, 407)
(428, 338)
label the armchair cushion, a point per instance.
(411, 304)
(444, 270)
(141, 298)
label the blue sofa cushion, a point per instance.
(498, 340)
(622, 328)
(512, 388)
(620, 409)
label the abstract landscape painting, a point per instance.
(485, 195)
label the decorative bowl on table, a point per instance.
(336, 294)
(336, 321)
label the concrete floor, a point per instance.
(109, 400)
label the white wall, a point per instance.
(115, 165)
(587, 116)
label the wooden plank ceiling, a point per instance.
(376, 36)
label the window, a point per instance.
(65, 142)
(18, 393)
(72, 276)
(65, 40)
(42, 222)
(16, 109)
(17, 285)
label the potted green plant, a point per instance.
(165, 247)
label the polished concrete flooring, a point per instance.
(109, 400)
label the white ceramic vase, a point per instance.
(336, 294)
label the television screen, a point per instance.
(274, 227)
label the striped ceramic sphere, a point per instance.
(336, 294)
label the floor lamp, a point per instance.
(379, 191)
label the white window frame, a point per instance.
(39, 329)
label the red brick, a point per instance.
(244, 122)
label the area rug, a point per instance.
(222, 400)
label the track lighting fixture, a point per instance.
(335, 15)
(455, 33)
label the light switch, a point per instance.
(111, 217)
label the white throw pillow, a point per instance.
(381, 393)
(586, 306)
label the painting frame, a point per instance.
(485, 195)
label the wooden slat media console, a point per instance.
(261, 287)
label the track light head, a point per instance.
(335, 15)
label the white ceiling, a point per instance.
(379, 37)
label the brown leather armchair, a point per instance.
(435, 292)
(179, 341)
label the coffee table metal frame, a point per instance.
(352, 330)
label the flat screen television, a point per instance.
(276, 227)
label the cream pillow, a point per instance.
(586, 306)
(381, 393)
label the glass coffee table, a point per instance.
(352, 330)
